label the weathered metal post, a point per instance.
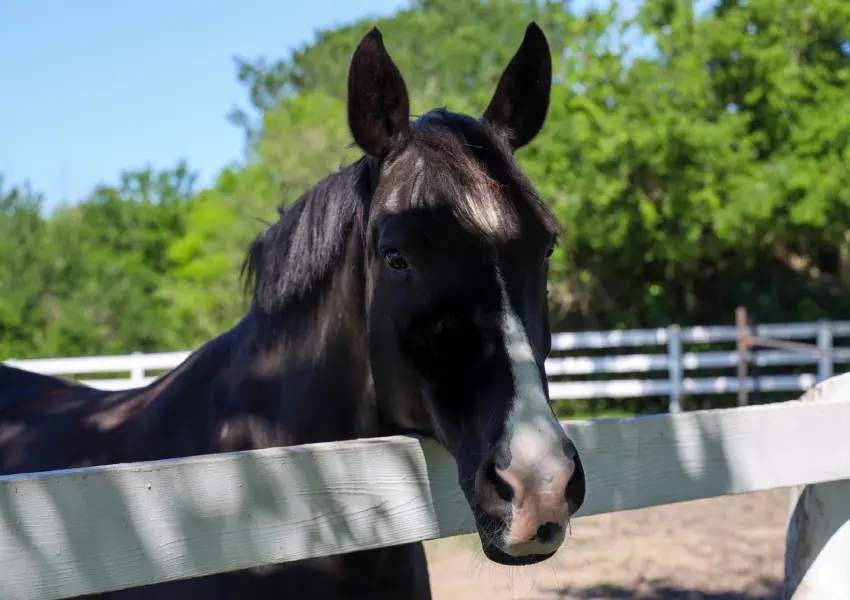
(675, 368)
(743, 343)
(824, 342)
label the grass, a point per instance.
(565, 413)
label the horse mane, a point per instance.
(288, 259)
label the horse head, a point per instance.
(456, 246)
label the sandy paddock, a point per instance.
(727, 548)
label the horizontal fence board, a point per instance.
(66, 533)
(590, 365)
(635, 388)
(609, 339)
(711, 334)
(86, 365)
(114, 385)
(618, 388)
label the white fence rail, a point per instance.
(672, 368)
(84, 531)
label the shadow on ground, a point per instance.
(662, 591)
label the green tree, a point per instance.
(203, 289)
(705, 174)
(109, 262)
(25, 257)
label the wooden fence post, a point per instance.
(674, 367)
(817, 544)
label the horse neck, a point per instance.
(307, 367)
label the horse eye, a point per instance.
(551, 249)
(395, 260)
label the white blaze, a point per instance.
(536, 437)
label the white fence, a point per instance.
(671, 367)
(84, 531)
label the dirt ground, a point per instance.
(727, 548)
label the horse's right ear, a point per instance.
(378, 105)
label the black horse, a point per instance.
(403, 294)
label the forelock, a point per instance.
(457, 160)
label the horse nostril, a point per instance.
(547, 532)
(503, 490)
(576, 487)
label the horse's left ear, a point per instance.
(378, 105)
(519, 106)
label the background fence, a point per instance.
(674, 363)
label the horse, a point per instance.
(404, 294)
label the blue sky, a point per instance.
(91, 87)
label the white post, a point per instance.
(817, 545)
(674, 367)
(137, 371)
(824, 341)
